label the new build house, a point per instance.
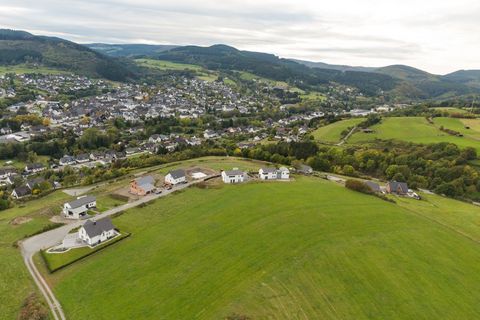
(142, 186)
(274, 174)
(175, 177)
(233, 176)
(78, 208)
(95, 232)
(400, 188)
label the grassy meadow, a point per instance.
(306, 249)
(416, 130)
(332, 132)
(32, 216)
(24, 69)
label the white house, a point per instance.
(210, 134)
(78, 208)
(95, 232)
(34, 168)
(175, 177)
(233, 176)
(268, 173)
(283, 173)
(274, 174)
(67, 161)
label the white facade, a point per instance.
(267, 174)
(274, 174)
(234, 176)
(171, 180)
(72, 211)
(104, 236)
(283, 173)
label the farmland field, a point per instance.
(332, 132)
(416, 130)
(167, 65)
(31, 217)
(23, 69)
(307, 249)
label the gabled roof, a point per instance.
(234, 173)
(177, 174)
(35, 166)
(22, 191)
(32, 182)
(81, 202)
(145, 180)
(269, 170)
(373, 185)
(394, 186)
(96, 228)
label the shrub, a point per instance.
(33, 309)
(358, 186)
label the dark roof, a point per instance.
(394, 186)
(177, 174)
(269, 170)
(83, 156)
(22, 191)
(35, 166)
(374, 186)
(95, 228)
(145, 180)
(234, 173)
(81, 201)
(32, 182)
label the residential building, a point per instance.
(175, 177)
(96, 232)
(142, 186)
(233, 176)
(78, 208)
(400, 188)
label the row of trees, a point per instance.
(443, 167)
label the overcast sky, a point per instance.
(439, 36)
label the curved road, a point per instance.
(53, 237)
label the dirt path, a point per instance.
(344, 139)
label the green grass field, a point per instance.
(416, 130)
(15, 281)
(31, 217)
(167, 65)
(332, 132)
(307, 249)
(23, 69)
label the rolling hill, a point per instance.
(323, 252)
(222, 57)
(469, 77)
(17, 47)
(129, 50)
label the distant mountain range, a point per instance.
(18, 47)
(115, 62)
(129, 50)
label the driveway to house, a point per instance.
(53, 237)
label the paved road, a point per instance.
(53, 237)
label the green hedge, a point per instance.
(57, 261)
